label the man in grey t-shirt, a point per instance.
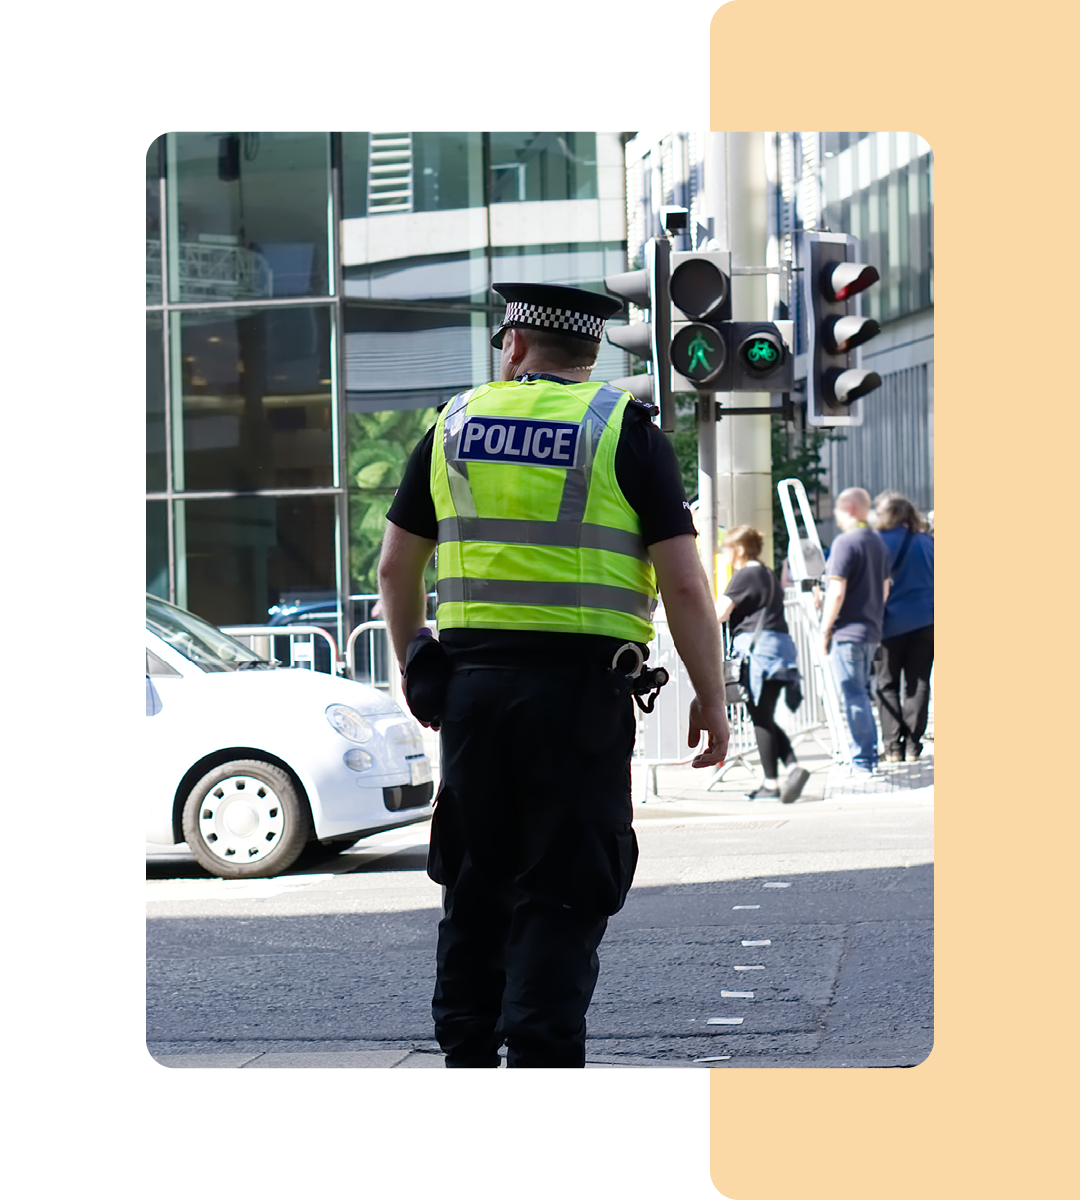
(851, 618)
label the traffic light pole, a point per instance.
(706, 514)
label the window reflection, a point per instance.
(542, 166)
(246, 554)
(155, 404)
(154, 167)
(250, 215)
(256, 398)
(157, 549)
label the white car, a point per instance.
(247, 762)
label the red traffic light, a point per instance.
(841, 281)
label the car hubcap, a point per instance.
(241, 819)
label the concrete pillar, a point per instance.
(736, 195)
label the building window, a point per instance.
(241, 556)
(256, 397)
(248, 215)
(542, 166)
(156, 476)
(157, 548)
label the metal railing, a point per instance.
(292, 645)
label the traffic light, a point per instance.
(648, 289)
(709, 351)
(831, 281)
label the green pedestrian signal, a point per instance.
(698, 353)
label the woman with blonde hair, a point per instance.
(753, 605)
(907, 635)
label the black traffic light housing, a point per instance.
(648, 290)
(832, 279)
(709, 351)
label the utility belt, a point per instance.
(429, 667)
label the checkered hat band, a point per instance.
(563, 319)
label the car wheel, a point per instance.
(245, 820)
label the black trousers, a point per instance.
(532, 842)
(773, 743)
(905, 660)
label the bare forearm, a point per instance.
(834, 599)
(691, 618)
(691, 615)
(401, 586)
(404, 610)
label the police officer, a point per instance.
(557, 507)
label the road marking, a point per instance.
(755, 968)
(736, 995)
(713, 1058)
(759, 942)
(724, 1021)
(736, 907)
(776, 885)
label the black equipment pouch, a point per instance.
(427, 676)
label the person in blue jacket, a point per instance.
(907, 637)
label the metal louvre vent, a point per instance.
(390, 173)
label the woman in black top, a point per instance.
(753, 604)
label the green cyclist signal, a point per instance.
(698, 353)
(761, 352)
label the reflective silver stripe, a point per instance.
(554, 595)
(541, 533)
(576, 487)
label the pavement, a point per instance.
(681, 792)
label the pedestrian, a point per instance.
(857, 574)
(557, 508)
(907, 636)
(753, 607)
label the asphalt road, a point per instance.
(827, 905)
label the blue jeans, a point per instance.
(851, 666)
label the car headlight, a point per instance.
(349, 723)
(358, 760)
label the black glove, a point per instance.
(427, 675)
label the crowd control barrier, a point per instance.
(290, 645)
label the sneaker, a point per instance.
(912, 753)
(765, 792)
(794, 784)
(894, 756)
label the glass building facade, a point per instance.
(311, 299)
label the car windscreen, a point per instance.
(197, 640)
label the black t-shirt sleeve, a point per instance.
(649, 475)
(413, 508)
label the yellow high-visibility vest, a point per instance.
(534, 532)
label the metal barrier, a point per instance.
(301, 641)
(661, 739)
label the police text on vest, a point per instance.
(518, 440)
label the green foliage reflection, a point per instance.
(379, 446)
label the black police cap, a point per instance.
(552, 306)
